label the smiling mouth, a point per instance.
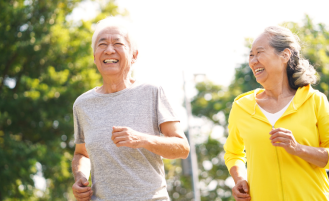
(259, 70)
(110, 61)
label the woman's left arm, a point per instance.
(284, 138)
(316, 155)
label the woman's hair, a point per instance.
(114, 22)
(300, 72)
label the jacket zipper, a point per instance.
(276, 148)
(279, 166)
(277, 156)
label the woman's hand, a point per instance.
(241, 191)
(284, 138)
(281, 137)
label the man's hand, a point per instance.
(241, 191)
(81, 190)
(127, 137)
(172, 146)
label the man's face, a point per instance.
(113, 55)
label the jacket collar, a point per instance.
(247, 101)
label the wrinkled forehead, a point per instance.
(261, 41)
(115, 32)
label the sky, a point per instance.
(200, 37)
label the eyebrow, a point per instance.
(104, 39)
(258, 48)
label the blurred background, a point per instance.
(197, 50)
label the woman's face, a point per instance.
(113, 55)
(265, 63)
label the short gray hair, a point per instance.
(300, 72)
(114, 22)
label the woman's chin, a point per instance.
(260, 80)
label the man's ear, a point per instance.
(135, 55)
(94, 59)
(286, 54)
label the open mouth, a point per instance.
(110, 61)
(259, 70)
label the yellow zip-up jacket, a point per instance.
(273, 174)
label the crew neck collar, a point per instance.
(115, 93)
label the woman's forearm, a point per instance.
(316, 155)
(238, 173)
(281, 137)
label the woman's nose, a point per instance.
(253, 60)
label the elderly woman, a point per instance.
(284, 127)
(117, 126)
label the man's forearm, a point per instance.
(167, 147)
(80, 166)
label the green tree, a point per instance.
(315, 48)
(45, 64)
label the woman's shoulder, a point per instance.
(319, 96)
(309, 91)
(245, 102)
(247, 96)
(243, 96)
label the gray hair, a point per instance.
(117, 22)
(300, 72)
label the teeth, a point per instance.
(111, 61)
(259, 70)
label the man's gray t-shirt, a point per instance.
(123, 173)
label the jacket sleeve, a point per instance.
(323, 123)
(234, 145)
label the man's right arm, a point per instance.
(81, 171)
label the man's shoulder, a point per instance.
(83, 97)
(148, 85)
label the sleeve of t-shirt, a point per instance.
(79, 137)
(164, 110)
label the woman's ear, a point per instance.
(286, 54)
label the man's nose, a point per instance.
(110, 49)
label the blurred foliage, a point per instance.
(46, 62)
(214, 101)
(212, 175)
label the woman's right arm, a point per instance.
(241, 189)
(235, 158)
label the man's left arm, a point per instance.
(173, 145)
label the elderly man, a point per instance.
(117, 126)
